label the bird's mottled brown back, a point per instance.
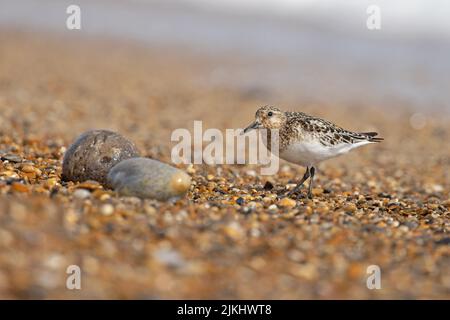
(300, 126)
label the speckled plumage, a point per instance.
(307, 140)
(296, 128)
(300, 126)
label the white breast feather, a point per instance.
(308, 153)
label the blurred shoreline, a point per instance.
(322, 63)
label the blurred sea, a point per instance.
(319, 49)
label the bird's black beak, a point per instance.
(254, 125)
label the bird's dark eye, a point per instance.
(270, 113)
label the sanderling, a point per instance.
(308, 140)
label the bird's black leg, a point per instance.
(299, 185)
(312, 171)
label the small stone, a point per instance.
(272, 208)
(81, 194)
(149, 210)
(29, 175)
(240, 201)
(322, 209)
(411, 225)
(169, 257)
(306, 271)
(443, 241)
(89, 185)
(251, 173)
(54, 261)
(148, 178)
(11, 158)
(315, 218)
(211, 186)
(19, 187)
(190, 169)
(100, 194)
(267, 200)
(350, 207)
(437, 188)
(317, 191)
(446, 203)
(308, 210)
(107, 209)
(268, 185)
(51, 182)
(94, 153)
(252, 205)
(287, 203)
(234, 230)
(384, 195)
(104, 196)
(28, 169)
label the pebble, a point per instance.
(11, 158)
(30, 169)
(94, 153)
(169, 257)
(51, 182)
(149, 210)
(148, 178)
(9, 174)
(446, 203)
(234, 230)
(437, 188)
(19, 187)
(287, 203)
(350, 207)
(89, 185)
(317, 191)
(268, 185)
(395, 224)
(251, 173)
(81, 194)
(267, 200)
(107, 209)
(190, 169)
(322, 209)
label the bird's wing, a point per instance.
(328, 133)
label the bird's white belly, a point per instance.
(307, 153)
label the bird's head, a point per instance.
(267, 117)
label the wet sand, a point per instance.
(386, 204)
